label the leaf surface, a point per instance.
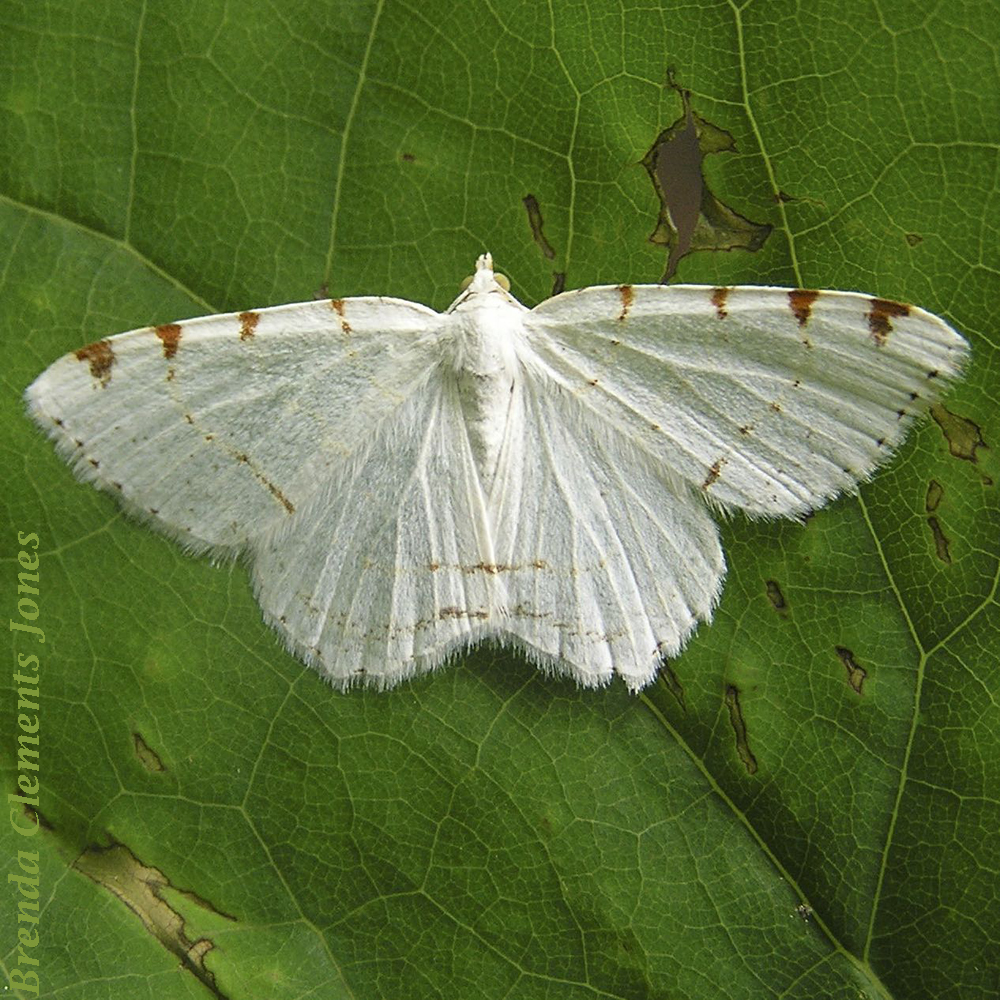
(807, 805)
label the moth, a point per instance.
(405, 483)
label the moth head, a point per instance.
(485, 264)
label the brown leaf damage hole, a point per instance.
(935, 494)
(148, 757)
(141, 889)
(941, 541)
(535, 221)
(740, 729)
(691, 217)
(672, 683)
(962, 435)
(33, 816)
(775, 596)
(856, 674)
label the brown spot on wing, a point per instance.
(248, 324)
(719, 296)
(337, 305)
(627, 293)
(278, 495)
(100, 357)
(800, 301)
(170, 334)
(453, 612)
(243, 458)
(713, 473)
(491, 568)
(883, 311)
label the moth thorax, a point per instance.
(486, 370)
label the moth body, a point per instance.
(485, 326)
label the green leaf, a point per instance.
(808, 803)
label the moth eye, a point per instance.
(501, 279)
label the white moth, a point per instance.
(406, 483)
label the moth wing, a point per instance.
(380, 576)
(608, 562)
(217, 428)
(767, 399)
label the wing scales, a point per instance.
(381, 574)
(607, 561)
(215, 428)
(754, 399)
